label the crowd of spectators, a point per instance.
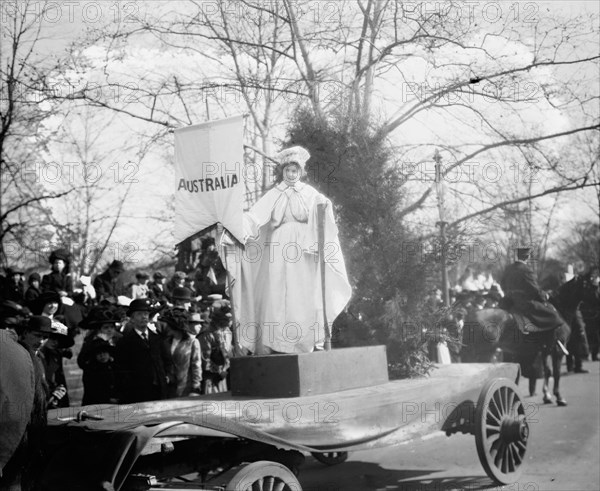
(151, 339)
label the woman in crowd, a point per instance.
(215, 343)
(59, 280)
(185, 353)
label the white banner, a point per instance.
(209, 187)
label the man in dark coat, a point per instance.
(143, 362)
(106, 284)
(523, 295)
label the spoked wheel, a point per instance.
(331, 458)
(264, 476)
(501, 431)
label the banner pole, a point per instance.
(321, 207)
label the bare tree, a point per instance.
(25, 104)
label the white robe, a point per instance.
(282, 303)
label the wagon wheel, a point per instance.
(501, 431)
(331, 458)
(264, 476)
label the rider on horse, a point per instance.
(524, 296)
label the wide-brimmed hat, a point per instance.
(176, 319)
(59, 254)
(180, 275)
(100, 316)
(13, 271)
(196, 318)
(60, 332)
(221, 316)
(293, 155)
(182, 293)
(45, 298)
(12, 314)
(40, 323)
(139, 305)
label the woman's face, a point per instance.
(291, 174)
(58, 265)
(50, 308)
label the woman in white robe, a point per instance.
(282, 301)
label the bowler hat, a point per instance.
(142, 275)
(180, 275)
(182, 293)
(116, 265)
(139, 305)
(40, 323)
(158, 275)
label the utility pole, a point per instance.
(439, 185)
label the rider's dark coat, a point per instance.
(526, 298)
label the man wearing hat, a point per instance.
(59, 279)
(524, 295)
(182, 298)
(106, 284)
(143, 363)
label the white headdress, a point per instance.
(297, 155)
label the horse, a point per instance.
(567, 300)
(494, 334)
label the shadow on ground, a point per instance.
(363, 476)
